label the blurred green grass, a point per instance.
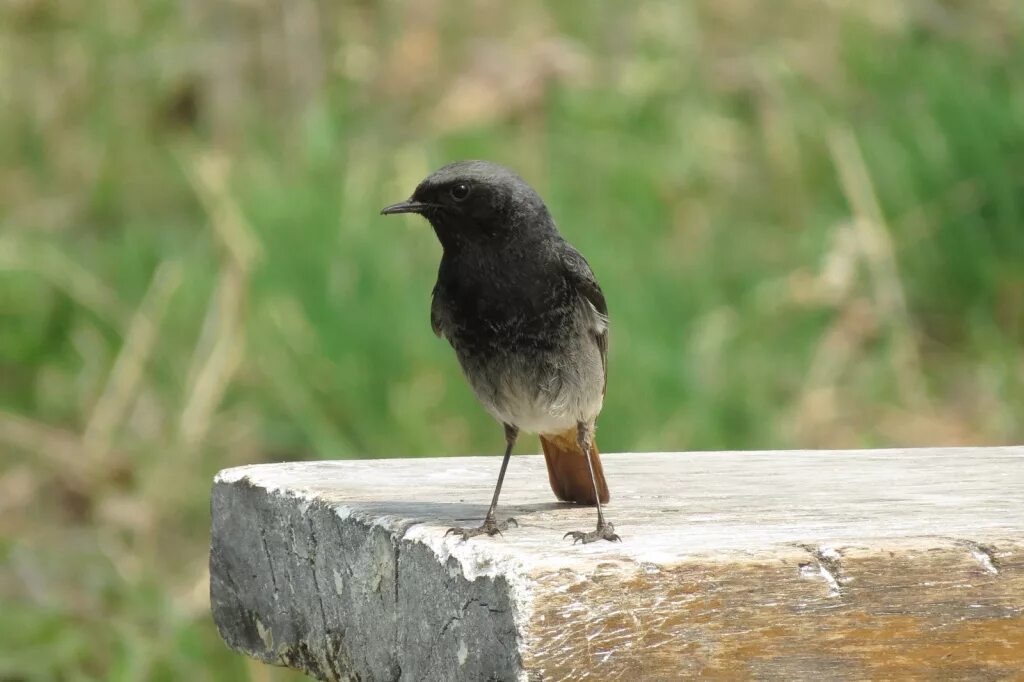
(806, 218)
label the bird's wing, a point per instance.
(582, 279)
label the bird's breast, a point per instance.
(527, 355)
(493, 305)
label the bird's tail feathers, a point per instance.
(567, 470)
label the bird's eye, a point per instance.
(459, 191)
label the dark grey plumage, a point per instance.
(518, 304)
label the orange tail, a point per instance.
(567, 470)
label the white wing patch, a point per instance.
(600, 319)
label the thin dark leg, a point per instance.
(511, 433)
(490, 526)
(605, 530)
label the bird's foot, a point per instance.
(604, 531)
(489, 527)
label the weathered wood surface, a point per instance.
(885, 564)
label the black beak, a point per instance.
(407, 206)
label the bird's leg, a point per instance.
(490, 526)
(605, 530)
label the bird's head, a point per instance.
(475, 202)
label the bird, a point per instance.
(528, 323)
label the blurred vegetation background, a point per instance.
(806, 217)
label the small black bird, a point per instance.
(527, 320)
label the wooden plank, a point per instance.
(789, 565)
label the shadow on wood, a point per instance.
(791, 565)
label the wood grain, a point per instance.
(895, 564)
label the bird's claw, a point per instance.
(605, 531)
(488, 527)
